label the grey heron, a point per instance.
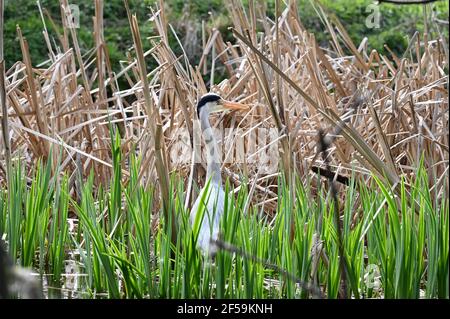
(212, 194)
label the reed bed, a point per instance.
(384, 118)
(390, 108)
(112, 249)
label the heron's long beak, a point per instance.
(228, 105)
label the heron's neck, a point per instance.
(212, 157)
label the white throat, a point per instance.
(212, 153)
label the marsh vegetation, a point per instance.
(98, 173)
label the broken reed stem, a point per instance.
(34, 101)
(101, 71)
(66, 13)
(5, 127)
(287, 157)
(277, 56)
(155, 123)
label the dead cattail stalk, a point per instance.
(5, 127)
(34, 100)
(155, 124)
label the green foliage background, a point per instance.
(397, 23)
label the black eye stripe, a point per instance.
(211, 97)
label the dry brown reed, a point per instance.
(388, 110)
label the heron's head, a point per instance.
(212, 103)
